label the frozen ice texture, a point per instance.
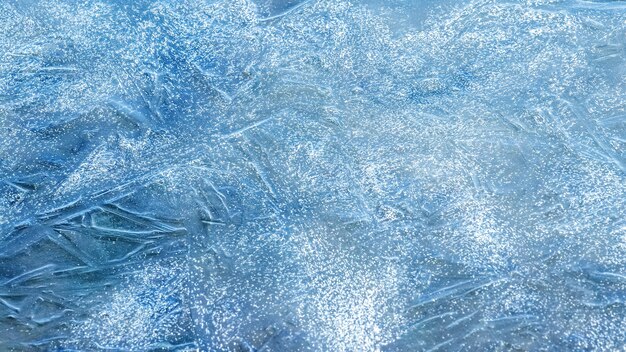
(293, 175)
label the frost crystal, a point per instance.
(312, 175)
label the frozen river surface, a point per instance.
(289, 175)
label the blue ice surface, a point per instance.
(311, 175)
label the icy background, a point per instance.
(288, 175)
